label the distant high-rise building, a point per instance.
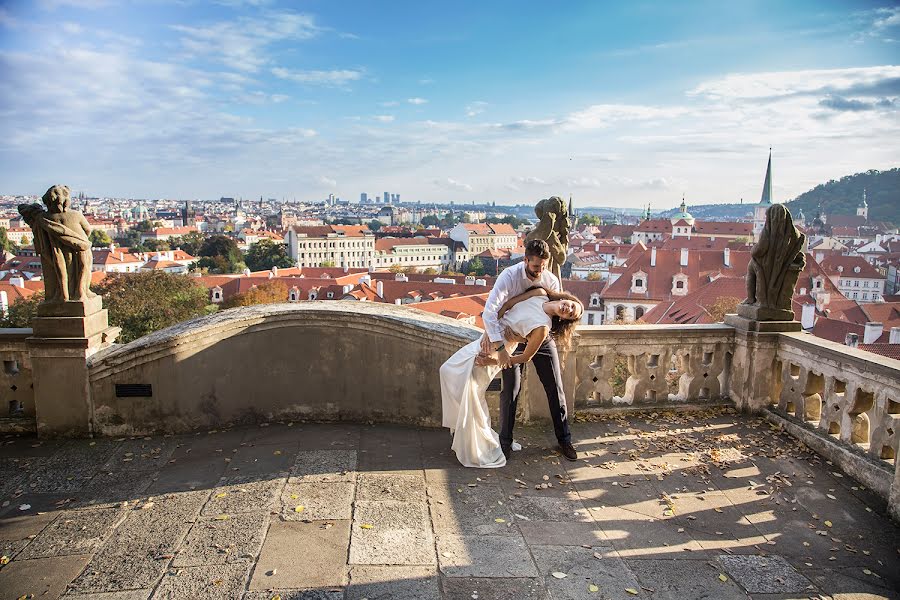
(387, 197)
(364, 198)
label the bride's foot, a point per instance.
(516, 446)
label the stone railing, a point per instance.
(650, 365)
(844, 403)
(15, 379)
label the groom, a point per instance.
(532, 272)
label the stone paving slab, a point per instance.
(127, 595)
(144, 454)
(303, 555)
(243, 496)
(677, 580)
(317, 501)
(213, 582)
(214, 541)
(288, 594)
(15, 471)
(494, 588)
(391, 533)
(139, 550)
(387, 583)
(483, 509)
(535, 508)
(324, 466)
(115, 487)
(263, 461)
(17, 532)
(484, 556)
(391, 486)
(581, 569)
(43, 577)
(764, 574)
(74, 532)
(543, 533)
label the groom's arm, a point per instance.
(500, 293)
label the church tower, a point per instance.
(759, 211)
(863, 209)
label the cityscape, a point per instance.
(449, 301)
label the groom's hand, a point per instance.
(503, 359)
(486, 348)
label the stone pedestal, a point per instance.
(754, 372)
(66, 334)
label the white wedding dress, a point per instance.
(463, 387)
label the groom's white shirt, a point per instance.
(512, 282)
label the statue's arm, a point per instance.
(85, 225)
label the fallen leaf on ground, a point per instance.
(222, 518)
(299, 508)
(558, 575)
(632, 591)
(366, 526)
(593, 588)
(723, 577)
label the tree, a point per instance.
(271, 292)
(724, 305)
(430, 221)
(154, 245)
(190, 242)
(326, 263)
(593, 276)
(26, 241)
(397, 268)
(144, 302)
(220, 254)
(131, 239)
(100, 239)
(375, 225)
(5, 244)
(430, 271)
(22, 312)
(476, 267)
(146, 225)
(265, 254)
(589, 220)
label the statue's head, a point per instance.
(552, 205)
(778, 218)
(57, 197)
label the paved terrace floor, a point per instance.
(711, 505)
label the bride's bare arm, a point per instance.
(529, 293)
(535, 338)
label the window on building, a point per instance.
(590, 319)
(679, 285)
(865, 295)
(856, 283)
(854, 295)
(638, 283)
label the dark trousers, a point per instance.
(546, 363)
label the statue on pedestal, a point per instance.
(553, 228)
(775, 265)
(62, 239)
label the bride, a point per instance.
(528, 318)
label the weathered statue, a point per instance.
(553, 228)
(775, 265)
(62, 238)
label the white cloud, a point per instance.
(243, 43)
(474, 109)
(605, 115)
(384, 118)
(82, 4)
(426, 81)
(327, 181)
(452, 184)
(328, 78)
(417, 101)
(781, 84)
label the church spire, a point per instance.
(767, 186)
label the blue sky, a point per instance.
(617, 104)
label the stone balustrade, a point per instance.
(650, 365)
(15, 379)
(848, 397)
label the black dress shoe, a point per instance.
(507, 451)
(568, 450)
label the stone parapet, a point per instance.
(851, 398)
(16, 379)
(311, 360)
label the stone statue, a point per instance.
(775, 265)
(62, 238)
(553, 228)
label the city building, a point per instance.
(336, 245)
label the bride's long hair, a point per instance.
(562, 330)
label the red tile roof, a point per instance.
(845, 266)
(459, 307)
(695, 306)
(888, 350)
(740, 228)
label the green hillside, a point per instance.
(842, 197)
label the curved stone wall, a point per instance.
(309, 360)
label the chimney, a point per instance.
(820, 256)
(379, 288)
(808, 317)
(895, 335)
(684, 257)
(347, 288)
(4, 303)
(653, 256)
(726, 257)
(872, 332)
(274, 271)
(852, 340)
(17, 281)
